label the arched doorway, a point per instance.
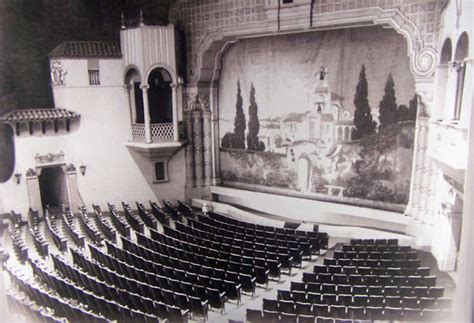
(133, 83)
(160, 96)
(304, 174)
(53, 187)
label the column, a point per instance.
(213, 99)
(146, 113)
(33, 188)
(207, 141)
(198, 147)
(189, 155)
(131, 105)
(73, 186)
(174, 88)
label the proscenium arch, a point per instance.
(210, 50)
(212, 47)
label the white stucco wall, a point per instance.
(113, 173)
(445, 228)
(452, 28)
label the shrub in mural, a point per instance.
(310, 127)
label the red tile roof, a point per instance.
(87, 49)
(38, 115)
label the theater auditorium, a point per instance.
(249, 161)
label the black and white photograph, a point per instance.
(299, 161)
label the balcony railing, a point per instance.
(160, 132)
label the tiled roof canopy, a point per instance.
(26, 115)
(87, 49)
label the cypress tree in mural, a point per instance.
(238, 140)
(254, 124)
(362, 116)
(412, 108)
(388, 105)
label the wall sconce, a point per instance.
(82, 169)
(17, 176)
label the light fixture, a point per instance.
(206, 208)
(17, 176)
(82, 169)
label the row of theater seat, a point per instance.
(337, 296)
(194, 275)
(273, 260)
(338, 314)
(152, 301)
(39, 240)
(369, 279)
(122, 227)
(287, 257)
(362, 292)
(370, 290)
(207, 223)
(185, 260)
(52, 306)
(220, 262)
(299, 244)
(383, 263)
(297, 235)
(379, 271)
(186, 271)
(71, 229)
(59, 237)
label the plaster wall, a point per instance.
(97, 140)
(450, 151)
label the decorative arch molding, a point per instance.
(130, 67)
(166, 67)
(214, 44)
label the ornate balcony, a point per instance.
(160, 132)
(448, 146)
(165, 141)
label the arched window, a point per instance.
(160, 96)
(446, 52)
(462, 52)
(346, 134)
(135, 95)
(445, 87)
(339, 134)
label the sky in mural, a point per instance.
(284, 69)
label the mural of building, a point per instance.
(326, 123)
